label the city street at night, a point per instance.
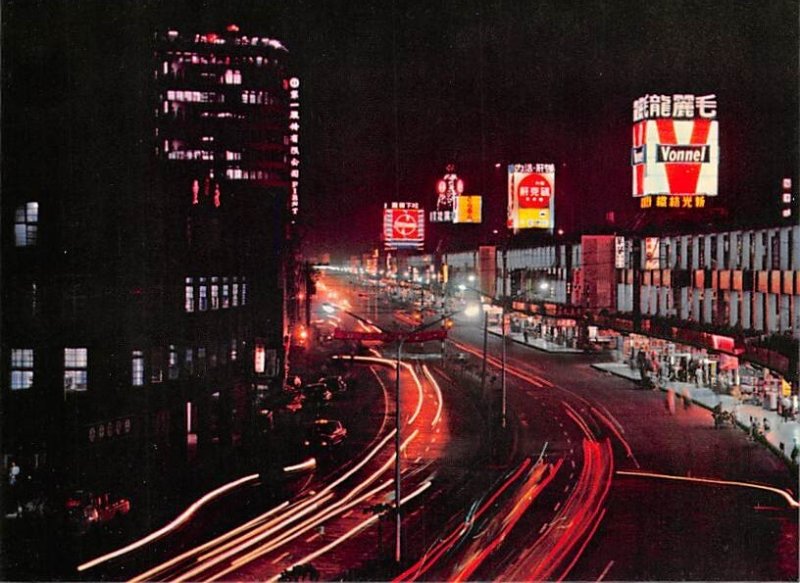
(400, 291)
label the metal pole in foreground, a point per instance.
(503, 368)
(398, 529)
(485, 339)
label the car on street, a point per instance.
(317, 393)
(336, 384)
(85, 509)
(325, 434)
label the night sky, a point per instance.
(393, 91)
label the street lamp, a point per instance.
(401, 338)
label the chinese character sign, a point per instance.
(293, 87)
(403, 226)
(467, 209)
(448, 188)
(531, 196)
(675, 149)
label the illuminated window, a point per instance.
(203, 295)
(26, 221)
(173, 362)
(233, 77)
(201, 360)
(188, 295)
(137, 368)
(21, 368)
(234, 352)
(214, 293)
(157, 364)
(226, 302)
(244, 292)
(235, 292)
(76, 369)
(189, 361)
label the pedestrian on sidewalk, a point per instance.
(525, 335)
(687, 398)
(795, 452)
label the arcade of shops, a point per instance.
(716, 366)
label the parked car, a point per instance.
(317, 393)
(336, 384)
(85, 510)
(325, 433)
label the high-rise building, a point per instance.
(147, 228)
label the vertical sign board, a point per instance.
(448, 188)
(403, 225)
(293, 86)
(467, 209)
(531, 196)
(619, 253)
(651, 253)
(675, 150)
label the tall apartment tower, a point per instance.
(145, 258)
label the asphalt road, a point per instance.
(652, 529)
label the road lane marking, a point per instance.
(280, 558)
(544, 527)
(572, 462)
(566, 488)
(605, 571)
(557, 506)
(313, 537)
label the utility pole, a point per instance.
(636, 260)
(503, 334)
(398, 516)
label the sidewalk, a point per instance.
(780, 431)
(538, 343)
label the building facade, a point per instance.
(146, 301)
(741, 284)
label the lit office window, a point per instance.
(214, 293)
(173, 362)
(235, 292)
(189, 360)
(188, 295)
(137, 368)
(76, 369)
(203, 295)
(244, 292)
(233, 77)
(26, 222)
(21, 368)
(226, 301)
(234, 349)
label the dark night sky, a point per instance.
(392, 92)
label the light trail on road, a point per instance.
(716, 482)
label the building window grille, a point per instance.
(26, 223)
(21, 368)
(76, 369)
(137, 368)
(235, 293)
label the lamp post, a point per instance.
(401, 337)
